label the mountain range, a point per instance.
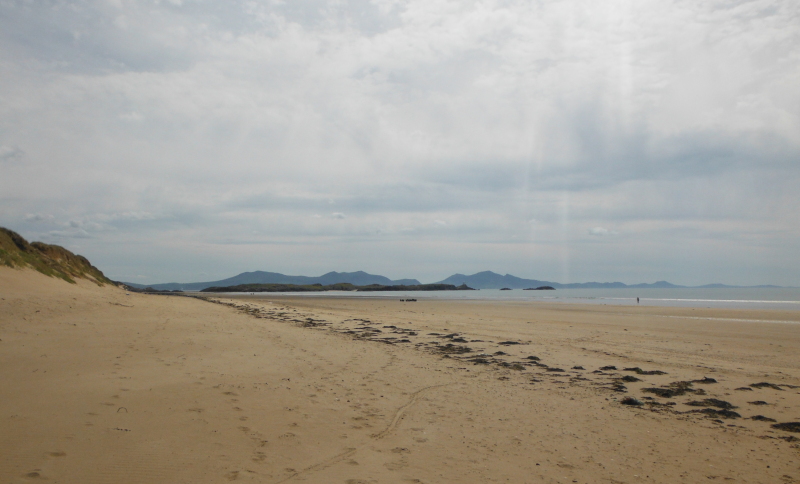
(480, 280)
(359, 278)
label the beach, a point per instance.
(100, 385)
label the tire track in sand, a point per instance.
(321, 465)
(399, 414)
(349, 452)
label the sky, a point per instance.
(569, 141)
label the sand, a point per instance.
(97, 385)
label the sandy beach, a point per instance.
(99, 385)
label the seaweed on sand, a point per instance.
(639, 371)
(787, 426)
(717, 413)
(451, 349)
(711, 402)
(674, 389)
(764, 384)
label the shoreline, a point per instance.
(580, 297)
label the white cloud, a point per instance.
(39, 217)
(601, 232)
(654, 117)
(10, 153)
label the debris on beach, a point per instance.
(675, 389)
(705, 381)
(717, 413)
(450, 348)
(758, 402)
(639, 371)
(787, 426)
(607, 368)
(631, 401)
(764, 384)
(711, 402)
(762, 418)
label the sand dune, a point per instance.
(103, 386)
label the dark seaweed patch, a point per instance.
(787, 426)
(764, 384)
(663, 392)
(451, 349)
(758, 402)
(717, 413)
(762, 418)
(639, 371)
(711, 402)
(607, 368)
(630, 401)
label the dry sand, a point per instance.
(100, 386)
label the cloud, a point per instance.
(73, 233)
(601, 232)
(191, 124)
(39, 217)
(10, 154)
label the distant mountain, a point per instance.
(492, 280)
(359, 278)
(481, 280)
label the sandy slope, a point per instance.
(100, 386)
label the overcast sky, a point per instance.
(571, 141)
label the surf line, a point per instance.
(730, 319)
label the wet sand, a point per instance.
(101, 386)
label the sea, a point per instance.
(733, 297)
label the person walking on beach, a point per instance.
(637, 300)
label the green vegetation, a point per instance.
(51, 260)
(334, 287)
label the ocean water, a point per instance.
(745, 298)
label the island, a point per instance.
(335, 287)
(540, 288)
